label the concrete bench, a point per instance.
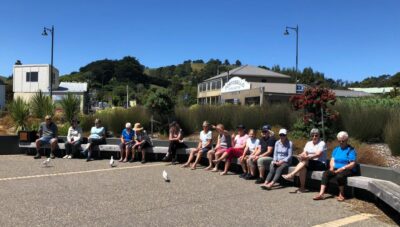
(387, 191)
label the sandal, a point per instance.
(264, 187)
(288, 177)
(340, 199)
(318, 197)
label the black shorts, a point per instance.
(316, 166)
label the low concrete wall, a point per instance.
(9, 145)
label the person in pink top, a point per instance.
(237, 149)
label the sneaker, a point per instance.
(259, 180)
(166, 158)
(52, 156)
(88, 159)
(131, 160)
(249, 177)
(69, 156)
(66, 156)
(243, 175)
(37, 156)
(143, 161)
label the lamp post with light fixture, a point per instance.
(44, 33)
(296, 29)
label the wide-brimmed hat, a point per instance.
(206, 123)
(137, 127)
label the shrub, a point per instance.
(114, 119)
(392, 133)
(315, 104)
(230, 116)
(19, 112)
(365, 123)
(41, 105)
(70, 105)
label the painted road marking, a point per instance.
(77, 172)
(346, 221)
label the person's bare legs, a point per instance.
(53, 145)
(127, 151)
(143, 154)
(218, 154)
(227, 165)
(243, 165)
(191, 156)
(122, 152)
(210, 156)
(341, 194)
(199, 154)
(298, 168)
(302, 177)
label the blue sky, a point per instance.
(345, 39)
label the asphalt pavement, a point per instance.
(77, 193)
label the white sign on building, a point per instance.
(235, 84)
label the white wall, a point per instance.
(2, 96)
(20, 85)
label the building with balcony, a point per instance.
(247, 85)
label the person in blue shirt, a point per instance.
(127, 142)
(342, 165)
(97, 137)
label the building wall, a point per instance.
(20, 84)
(2, 96)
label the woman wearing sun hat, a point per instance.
(142, 142)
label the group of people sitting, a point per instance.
(132, 139)
(256, 155)
(266, 154)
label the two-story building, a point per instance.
(30, 79)
(247, 85)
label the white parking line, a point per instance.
(346, 221)
(77, 172)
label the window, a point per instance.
(32, 77)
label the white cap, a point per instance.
(128, 125)
(283, 131)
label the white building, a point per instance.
(30, 79)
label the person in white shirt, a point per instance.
(203, 147)
(74, 137)
(313, 158)
(251, 144)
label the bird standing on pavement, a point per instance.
(165, 176)
(112, 163)
(46, 162)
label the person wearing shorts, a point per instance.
(127, 141)
(48, 135)
(252, 144)
(223, 143)
(312, 158)
(262, 157)
(142, 141)
(203, 147)
(237, 149)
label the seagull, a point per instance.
(112, 163)
(46, 162)
(165, 176)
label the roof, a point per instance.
(373, 90)
(71, 87)
(347, 93)
(249, 71)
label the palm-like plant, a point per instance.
(41, 105)
(19, 112)
(70, 104)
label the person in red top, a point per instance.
(237, 149)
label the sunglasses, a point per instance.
(282, 135)
(315, 135)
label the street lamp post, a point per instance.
(296, 29)
(51, 64)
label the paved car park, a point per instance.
(77, 193)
